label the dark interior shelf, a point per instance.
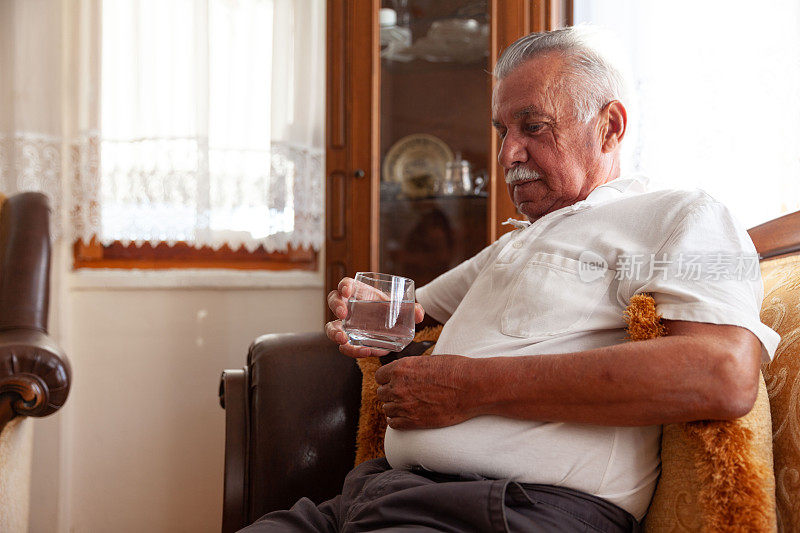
(422, 238)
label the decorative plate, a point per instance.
(418, 162)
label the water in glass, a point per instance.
(380, 314)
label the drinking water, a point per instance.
(388, 325)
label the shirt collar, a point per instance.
(610, 191)
(628, 185)
(617, 188)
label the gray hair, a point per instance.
(593, 64)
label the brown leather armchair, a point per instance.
(35, 374)
(291, 413)
(291, 417)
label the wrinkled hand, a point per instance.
(427, 391)
(337, 302)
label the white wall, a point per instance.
(139, 444)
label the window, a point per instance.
(210, 141)
(716, 97)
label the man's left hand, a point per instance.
(427, 391)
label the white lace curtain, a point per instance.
(717, 87)
(186, 120)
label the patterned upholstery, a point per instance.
(781, 312)
(678, 503)
(16, 455)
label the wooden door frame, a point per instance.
(351, 138)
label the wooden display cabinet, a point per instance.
(374, 223)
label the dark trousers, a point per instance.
(376, 497)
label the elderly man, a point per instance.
(533, 413)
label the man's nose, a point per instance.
(512, 152)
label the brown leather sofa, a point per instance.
(292, 412)
(35, 374)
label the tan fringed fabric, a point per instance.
(716, 476)
(781, 312)
(371, 420)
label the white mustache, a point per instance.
(517, 174)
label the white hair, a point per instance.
(594, 66)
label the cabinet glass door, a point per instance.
(434, 134)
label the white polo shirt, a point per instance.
(560, 284)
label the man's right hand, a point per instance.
(337, 302)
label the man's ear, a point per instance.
(614, 122)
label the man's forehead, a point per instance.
(531, 90)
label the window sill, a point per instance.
(220, 279)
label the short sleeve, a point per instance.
(441, 297)
(706, 271)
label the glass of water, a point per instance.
(380, 312)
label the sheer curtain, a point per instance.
(149, 121)
(716, 97)
(40, 109)
(212, 122)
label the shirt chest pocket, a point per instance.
(552, 295)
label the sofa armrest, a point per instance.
(233, 398)
(35, 374)
(294, 415)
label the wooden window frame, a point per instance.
(182, 255)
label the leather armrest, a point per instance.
(35, 374)
(233, 398)
(304, 405)
(295, 423)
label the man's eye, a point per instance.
(533, 128)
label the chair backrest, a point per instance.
(778, 244)
(777, 237)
